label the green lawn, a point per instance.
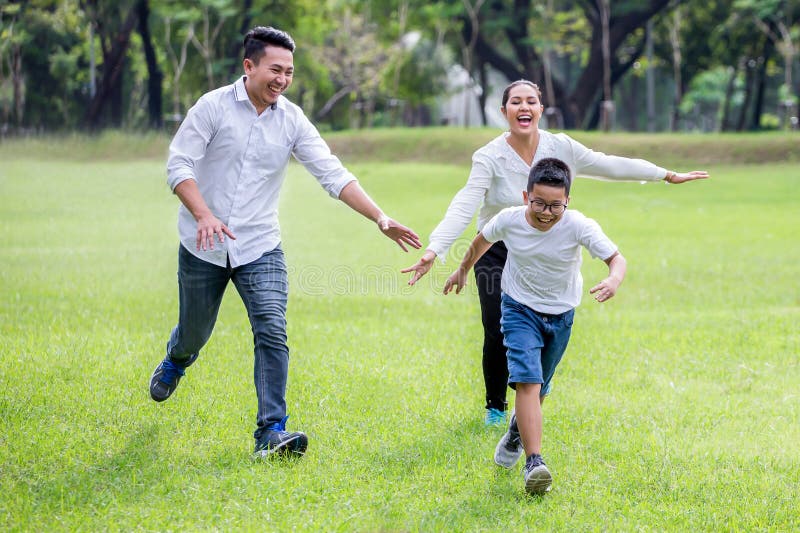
(676, 406)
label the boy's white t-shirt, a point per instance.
(543, 269)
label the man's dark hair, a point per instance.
(550, 171)
(260, 36)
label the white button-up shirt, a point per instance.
(239, 160)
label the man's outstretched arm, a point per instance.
(358, 200)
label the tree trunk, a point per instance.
(587, 89)
(236, 49)
(16, 80)
(632, 104)
(617, 71)
(484, 92)
(758, 106)
(675, 41)
(607, 105)
(749, 67)
(651, 83)
(112, 71)
(116, 99)
(470, 38)
(154, 74)
(726, 107)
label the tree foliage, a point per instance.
(68, 64)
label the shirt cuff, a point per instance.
(174, 181)
(336, 190)
(440, 251)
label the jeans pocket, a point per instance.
(569, 318)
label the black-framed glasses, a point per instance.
(556, 207)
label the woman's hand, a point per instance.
(676, 178)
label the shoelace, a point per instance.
(534, 461)
(514, 439)
(171, 372)
(513, 442)
(279, 426)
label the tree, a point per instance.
(687, 36)
(41, 55)
(508, 46)
(468, 45)
(354, 58)
(114, 34)
(778, 21)
(154, 75)
(13, 39)
(211, 16)
(742, 45)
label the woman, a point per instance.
(499, 174)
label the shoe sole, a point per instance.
(539, 482)
(295, 447)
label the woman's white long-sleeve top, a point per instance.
(499, 175)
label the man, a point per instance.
(226, 164)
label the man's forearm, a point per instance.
(358, 200)
(190, 196)
(617, 268)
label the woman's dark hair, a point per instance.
(515, 84)
(550, 171)
(260, 36)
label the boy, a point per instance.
(541, 286)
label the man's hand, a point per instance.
(399, 233)
(457, 279)
(676, 178)
(421, 267)
(209, 226)
(606, 289)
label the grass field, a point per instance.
(676, 406)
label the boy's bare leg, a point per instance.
(529, 416)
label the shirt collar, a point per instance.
(240, 93)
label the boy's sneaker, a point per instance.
(495, 417)
(538, 479)
(509, 449)
(275, 441)
(166, 376)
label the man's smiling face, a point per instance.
(270, 77)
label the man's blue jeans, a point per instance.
(264, 288)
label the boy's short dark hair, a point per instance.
(550, 171)
(261, 36)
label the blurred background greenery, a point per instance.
(623, 65)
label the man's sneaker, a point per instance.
(509, 449)
(166, 376)
(495, 417)
(538, 479)
(275, 441)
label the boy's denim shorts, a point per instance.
(535, 342)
